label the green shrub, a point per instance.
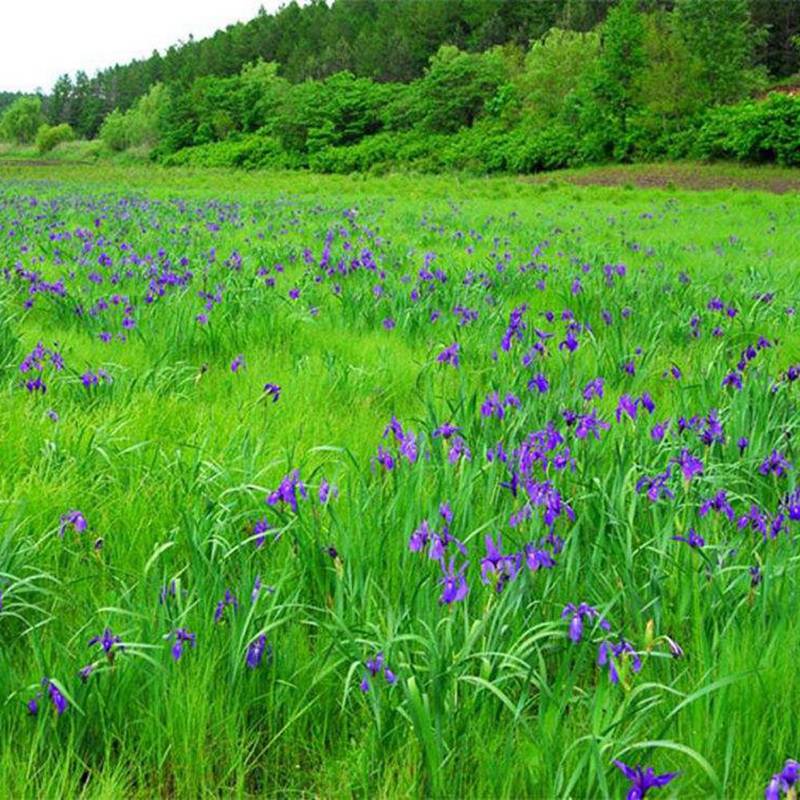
(753, 131)
(48, 136)
(21, 120)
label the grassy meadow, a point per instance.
(255, 430)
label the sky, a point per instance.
(42, 39)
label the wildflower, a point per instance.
(374, 667)
(689, 464)
(626, 406)
(259, 530)
(256, 650)
(85, 672)
(609, 654)
(719, 503)
(449, 355)
(272, 390)
(540, 383)
(229, 599)
(182, 637)
(742, 444)
(33, 705)
(538, 558)
(775, 464)
(496, 567)
(454, 583)
(692, 538)
(594, 388)
(783, 781)
(446, 430)
(642, 780)
(587, 424)
(237, 363)
(56, 697)
(733, 379)
(577, 614)
(74, 519)
(108, 642)
(287, 492)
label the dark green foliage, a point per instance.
(766, 131)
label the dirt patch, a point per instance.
(678, 176)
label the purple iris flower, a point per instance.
(237, 363)
(594, 388)
(288, 490)
(692, 538)
(56, 697)
(256, 650)
(783, 781)
(577, 614)
(642, 780)
(775, 464)
(229, 599)
(496, 567)
(108, 642)
(449, 355)
(608, 654)
(446, 430)
(182, 638)
(689, 464)
(272, 390)
(374, 667)
(454, 584)
(74, 519)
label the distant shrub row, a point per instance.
(765, 131)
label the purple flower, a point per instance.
(182, 637)
(374, 667)
(108, 642)
(642, 780)
(539, 383)
(609, 654)
(689, 464)
(288, 490)
(272, 390)
(74, 519)
(594, 388)
(497, 568)
(229, 599)
(783, 781)
(56, 697)
(446, 430)
(449, 355)
(237, 363)
(454, 584)
(775, 464)
(742, 444)
(626, 406)
(733, 379)
(692, 538)
(577, 614)
(256, 650)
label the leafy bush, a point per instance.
(21, 120)
(754, 131)
(48, 136)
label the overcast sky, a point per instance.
(42, 39)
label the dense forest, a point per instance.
(489, 85)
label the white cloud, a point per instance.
(42, 39)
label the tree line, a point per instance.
(484, 84)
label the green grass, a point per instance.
(171, 464)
